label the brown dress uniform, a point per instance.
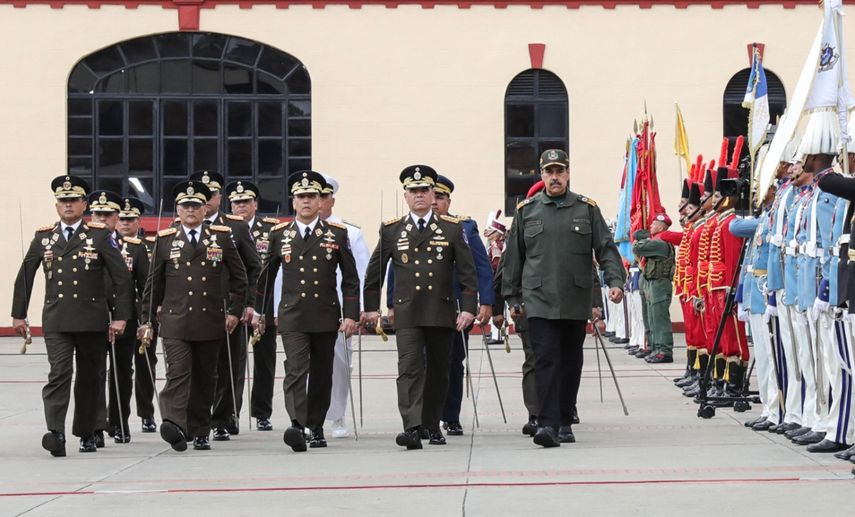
(146, 368)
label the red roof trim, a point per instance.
(425, 4)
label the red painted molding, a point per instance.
(761, 48)
(425, 4)
(188, 17)
(535, 53)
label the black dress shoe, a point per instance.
(317, 439)
(762, 426)
(435, 436)
(783, 428)
(233, 429)
(200, 443)
(454, 429)
(263, 424)
(546, 437)
(826, 446)
(530, 427)
(621, 341)
(659, 358)
(565, 434)
(118, 437)
(632, 350)
(643, 353)
(409, 439)
(148, 425)
(295, 437)
(809, 438)
(845, 455)
(752, 423)
(795, 433)
(221, 434)
(87, 444)
(688, 381)
(54, 443)
(574, 417)
(99, 439)
(173, 435)
(424, 434)
(608, 334)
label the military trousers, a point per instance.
(263, 373)
(456, 377)
(191, 376)
(558, 353)
(767, 381)
(64, 349)
(529, 386)
(658, 298)
(308, 376)
(119, 372)
(423, 363)
(341, 372)
(145, 378)
(231, 368)
(790, 373)
(834, 351)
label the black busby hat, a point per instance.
(695, 194)
(728, 187)
(721, 175)
(709, 184)
(685, 193)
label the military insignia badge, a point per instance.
(404, 258)
(828, 57)
(261, 245)
(552, 155)
(102, 199)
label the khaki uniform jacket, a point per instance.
(309, 282)
(549, 256)
(424, 268)
(75, 292)
(187, 283)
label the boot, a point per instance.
(691, 354)
(736, 380)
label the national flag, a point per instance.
(757, 102)
(623, 224)
(681, 139)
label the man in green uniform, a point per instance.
(548, 262)
(74, 256)
(424, 248)
(657, 275)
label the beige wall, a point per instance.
(391, 87)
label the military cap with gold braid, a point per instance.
(241, 190)
(191, 191)
(212, 179)
(444, 185)
(418, 176)
(69, 187)
(104, 201)
(131, 208)
(307, 182)
(554, 157)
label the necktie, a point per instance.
(421, 224)
(193, 240)
(207, 221)
(69, 231)
(307, 233)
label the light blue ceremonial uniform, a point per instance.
(753, 298)
(791, 248)
(778, 220)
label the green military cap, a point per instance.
(307, 182)
(212, 179)
(554, 157)
(105, 201)
(69, 187)
(191, 191)
(131, 208)
(241, 190)
(418, 176)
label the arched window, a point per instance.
(735, 116)
(145, 113)
(536, 119)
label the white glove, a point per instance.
(818, 308)
(770, 312)
(742, 313)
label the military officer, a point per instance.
(310, 251)
(425, 248)
(243, 198)
(548, 264)
(231, 369)
(145, 364)
(658, 265)
(106, 207)
(74, 256)
(186, 287)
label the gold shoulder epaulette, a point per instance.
(463, 217)
(150, 238)
(167, 232)
(45, 228)
(271, 220)
(524, 202)
(392, 221)
(220, 228)
(350, 224)
(337, 225)
(586, 199)
(132, 240)
(234, 217)
(96, 224)
(450, 219)
(280, 226)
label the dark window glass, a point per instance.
(138, 50)
(174, 118)
(206, 77)
(519, 121)
(735, 116)
(175, 76)
(143, 188)
(301, 108)
(240, 119)
(173, 44)
(298, 164)
(298, 81)
(175, 156)
(242, 51)
(205, 118)
(269, 118)
(112, 184)
(80, 146)
(237, 79)
(140, 118)
(140, 155)
(112, 83)
(81, 80)
(80, 126)
(111, 156)
(270, 158)
(144, 78)
(269, 85)
(79, 107)
(80, 166)
(273, 199)
(209, 45)
(166, 186)
(299, 128)
(552, 120)
(206, 154)
(105, 61)
(299, 147)
(276, 63)
(240, 158)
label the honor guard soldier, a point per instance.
(231, 370)
(548, 263)
(243, 198)
(425, 249)
(189, 266)
(689, 213)
(145, 363)
(310, 251)
(75, 257)
(657, 266)
(106, 207)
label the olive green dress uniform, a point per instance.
(146, 369)
(657, 275)
(548, 264)
(425, 306)
(75, 314)
(188, 284)
(309, 312)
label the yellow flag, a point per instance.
(681, 139)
